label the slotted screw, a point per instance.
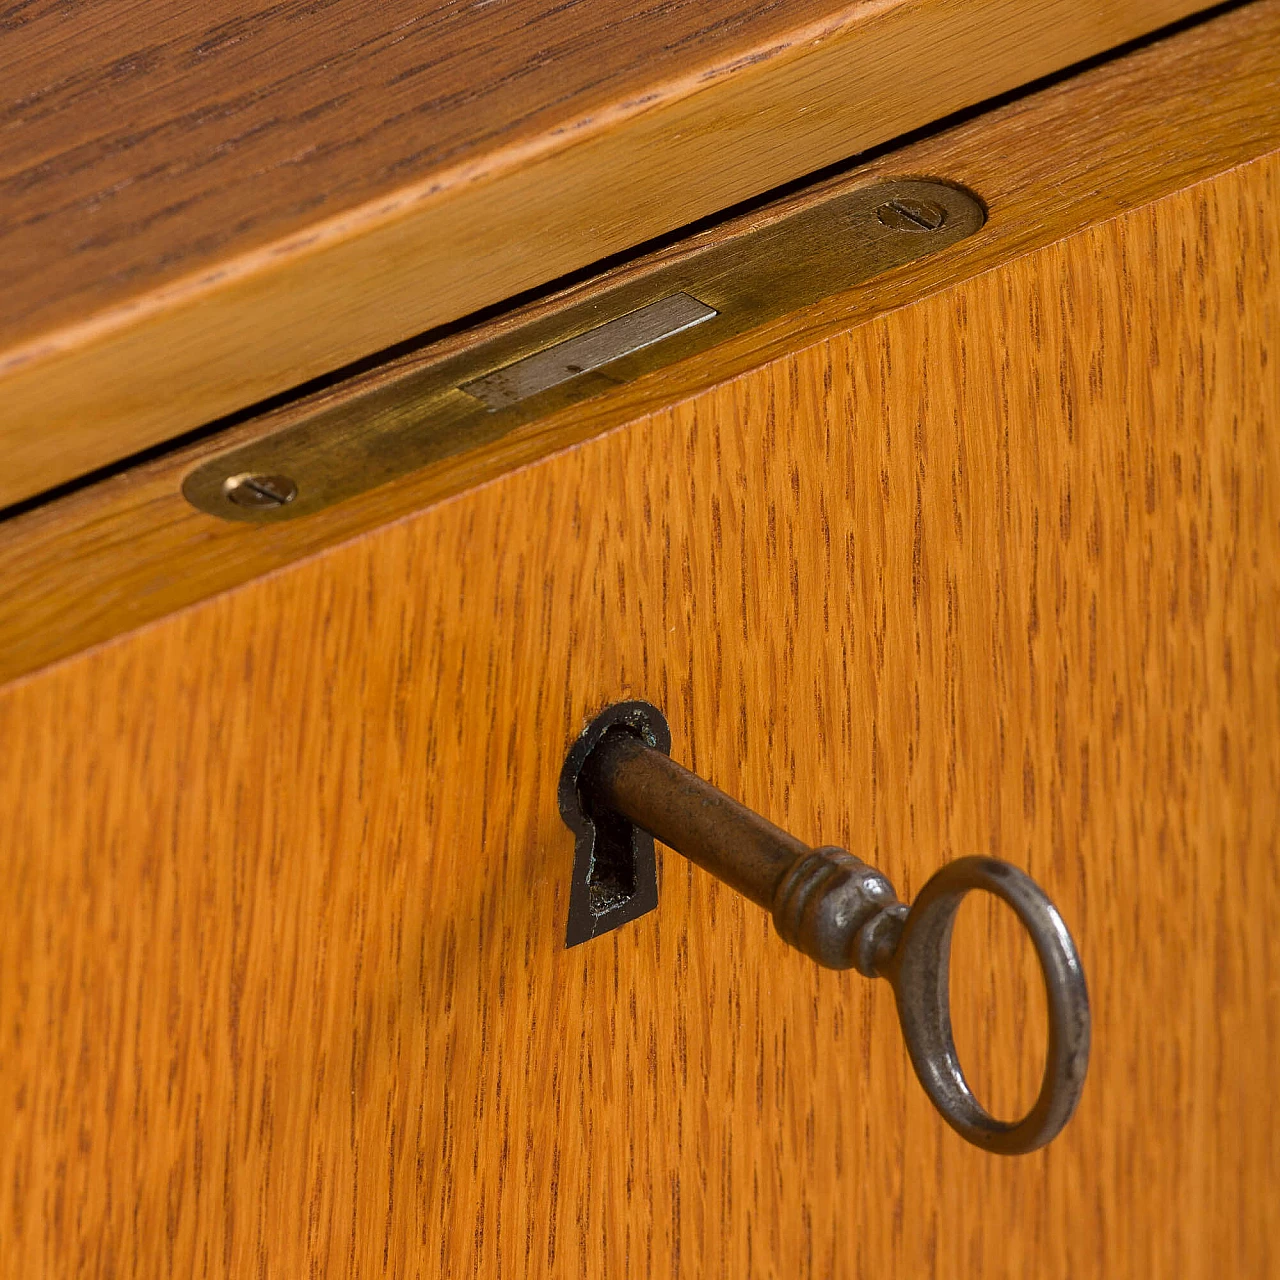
(903, 214)
(260, 491)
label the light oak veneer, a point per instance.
(282, 984)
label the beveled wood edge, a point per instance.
(138, 374)
(130, 550)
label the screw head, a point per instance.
(905, 214)
(260, 491)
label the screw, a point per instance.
(911, 215)
(260, 491)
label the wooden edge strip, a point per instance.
(130, 549)
(256, 325)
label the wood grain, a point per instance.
(131, 549)
(282, 989)
(212, 204)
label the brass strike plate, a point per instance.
(714, 292)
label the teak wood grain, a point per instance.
(129, 550)
(208, 204)
(282, 983)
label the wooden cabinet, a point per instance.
(990, 565)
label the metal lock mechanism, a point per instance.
(579, 345)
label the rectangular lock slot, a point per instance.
(591, 350)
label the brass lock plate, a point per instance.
(683, 305)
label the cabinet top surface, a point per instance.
(138, 139)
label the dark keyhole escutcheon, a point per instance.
(619, 789)
(614, 876)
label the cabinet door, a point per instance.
(284, 984)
